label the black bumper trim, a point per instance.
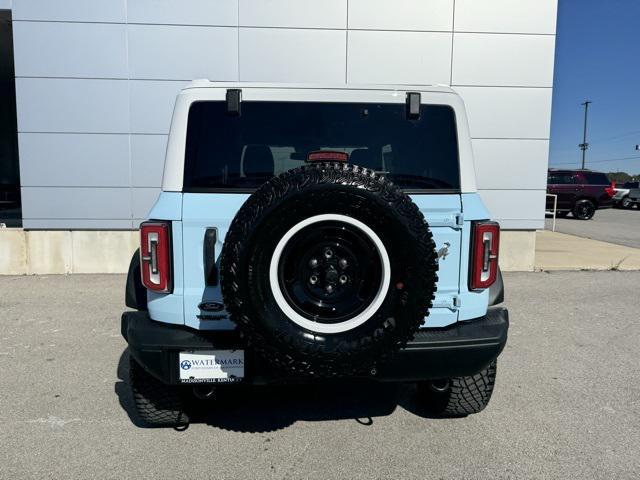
(463, 348)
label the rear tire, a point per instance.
(626, 203)
(459, 396)
(157, 404)
(584, 209)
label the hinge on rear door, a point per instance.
(446, 219)
(452, 302)
(457, 302)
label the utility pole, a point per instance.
(584, 145)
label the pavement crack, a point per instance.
(53, 421)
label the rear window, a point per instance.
(593, 178)
(239, 153)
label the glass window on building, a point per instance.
(10, 210)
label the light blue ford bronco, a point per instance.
(314, 233)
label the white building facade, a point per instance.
(96, 80)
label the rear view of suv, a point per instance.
(580, 192)
(313, 234)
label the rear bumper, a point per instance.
(464, 348)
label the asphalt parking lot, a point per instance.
(612, 225)
(566, 405)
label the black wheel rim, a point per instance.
(585, 210)
(330, 271)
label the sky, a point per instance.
(597, 58)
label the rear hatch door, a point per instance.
(229, 155)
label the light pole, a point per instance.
(584, 145)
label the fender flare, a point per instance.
(496, 291)
(135, 294)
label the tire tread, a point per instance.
(157, 404)
(466, 395)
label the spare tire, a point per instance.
(328, 269)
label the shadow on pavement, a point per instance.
(123, 391)
(253, 409)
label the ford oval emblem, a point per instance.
(211, 306)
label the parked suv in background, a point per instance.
(308, 234)
(632, 199)
(621, 197)
(580, 192)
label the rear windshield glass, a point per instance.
(241, 152)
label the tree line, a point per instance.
(621, 177)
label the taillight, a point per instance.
(155, 256)
(484, 255)
(611, 189)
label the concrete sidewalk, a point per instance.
(559, 251)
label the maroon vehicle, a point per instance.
(580, 192)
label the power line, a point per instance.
(602, 140)
(601, 161)
(616, 137)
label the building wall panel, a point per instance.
(70, 10)
(293, 13)
(183, 12)
(74, 160)
(481, 59)
(84, 50)
(96, 82)
(399, 57)
(416, 15)
(168, 52)
(72, 105)
(292, 55)
(507, 16)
